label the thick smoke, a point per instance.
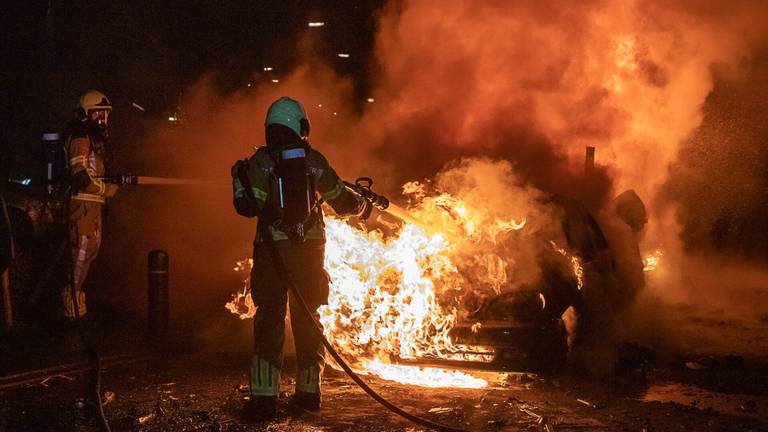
(529, 82)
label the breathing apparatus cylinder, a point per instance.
(295, 192)
(55, 163)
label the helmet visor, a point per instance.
(99, 116)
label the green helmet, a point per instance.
(289, 113)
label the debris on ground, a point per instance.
(219, 398)
(107, 398)
(440, 410)
(587, 403)
(45, 382)
(146, 418)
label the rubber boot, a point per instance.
(264, 388)
(260, 408)
(307, 394)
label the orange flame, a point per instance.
(578, 270)
(242, 303)
(398, 297)
(651, 261)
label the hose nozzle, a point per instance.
(362, 187)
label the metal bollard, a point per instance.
(158, 304)
(7, 304)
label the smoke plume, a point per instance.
(532, 83)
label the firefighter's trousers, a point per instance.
(85, 221)
(305, 265)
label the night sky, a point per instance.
(146, 52)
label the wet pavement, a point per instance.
(206, 392)
(710, 386)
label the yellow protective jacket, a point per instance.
(261, 176)
(85, 155)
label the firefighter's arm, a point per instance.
(333, 191)
(82, 175)
(249, 188)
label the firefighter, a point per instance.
(283, 184)
(85, 147)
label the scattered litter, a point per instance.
(168, 384)
(107, 398)
(79, 403)
(44, 382)
(530, 413)
(146, 418)
(440, 410)
(587, 403)
(695, 366)
(242, 388)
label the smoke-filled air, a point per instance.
(494, 103)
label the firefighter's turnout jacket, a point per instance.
(84, 145)
(327, 184)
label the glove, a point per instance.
(245, 205)
(365, 209)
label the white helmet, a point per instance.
(94, 100)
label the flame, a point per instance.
(425, 377)
(578, 270)
(397, 297)
(651, 261)
(476, 327)
(242, 303)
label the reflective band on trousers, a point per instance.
(265, 378)
(308, 380)
(78, 272)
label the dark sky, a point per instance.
(147, 51)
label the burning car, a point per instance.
(476, 279)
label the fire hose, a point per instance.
(362, 188)
(133, 179)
